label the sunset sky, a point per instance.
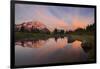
(67, 18)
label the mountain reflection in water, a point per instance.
(52, 50)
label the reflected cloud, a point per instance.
(59, 42)
(52, 50)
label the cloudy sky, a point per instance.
(67, 18)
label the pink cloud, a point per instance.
(79, 23)
(50, 21)
(53, 22)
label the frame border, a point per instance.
(12, 39)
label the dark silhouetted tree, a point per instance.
(55, 31)
(22, 29)
(61, 32)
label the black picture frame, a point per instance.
(12, 48)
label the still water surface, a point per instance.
(52, 50)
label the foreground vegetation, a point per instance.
(88, 44)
